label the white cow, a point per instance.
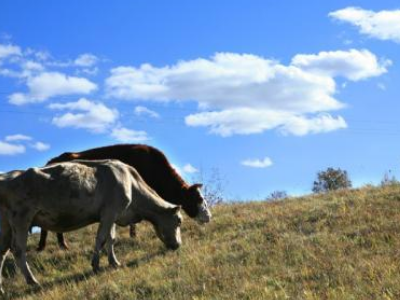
(68, 196)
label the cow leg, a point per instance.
(103, 234)
(112, 259)
(5, 244)
(132, 230)
(20, 228)
(42, 241)
(61, 241)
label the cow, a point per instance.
(70, 195)
(156, 171)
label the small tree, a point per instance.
(213, 185)
(389, 179)
(331, 180)
(277, 195)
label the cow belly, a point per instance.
(64, 221)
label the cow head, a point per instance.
(195, 205)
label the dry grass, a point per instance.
(343, 245)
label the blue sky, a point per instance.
(267, 92)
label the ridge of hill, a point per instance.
(340, 245)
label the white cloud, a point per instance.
(299, 125)
(352, 64)
(32, 65)
(51, 84)
(93, 116)
(251, 121)
(86, 60)
(381, 86)
(29, 68)
(177, 169)
(39, 146)
(249, 94)
(9, 50)
(88, 71)
(11, 149)
(141, 110)
(228, 80)
(125, 135)
(383, 25)
(189, 169)
(18, 137)
(42, 55)
(257, 163)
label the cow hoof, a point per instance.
(64, 247)
(33, 282)
(115, 264)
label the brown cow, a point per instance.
(156, 171)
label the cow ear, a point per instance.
(197, 186)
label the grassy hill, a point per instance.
(343, 245)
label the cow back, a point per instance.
(150, 162)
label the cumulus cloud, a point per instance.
(144, 111)
(227, 80)
(248, 94)
(251, 121)
(299, 125)
(39, 146)
(86, 114)
(32, 65)
(177, 169)
(16, 144)
(352, 64)
(125, 135)
(51, 84)
(189, 169)
(9, 50)
(383, 25)
(11, 149)
(18, 137)
(86, 60)
(257, 163)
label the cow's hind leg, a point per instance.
(42, 241)
(103, 235)
(112, 260)
(61, 241)
(5, 244)
(132, 231)
(20, 227)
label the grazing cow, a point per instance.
(68, 196)
(156, 171)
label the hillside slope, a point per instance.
(343, 245)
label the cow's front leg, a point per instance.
(5, 244)
(20, 228)
(103, 234)
(112, 259)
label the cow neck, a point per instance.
(149, 204)
(176, 192)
